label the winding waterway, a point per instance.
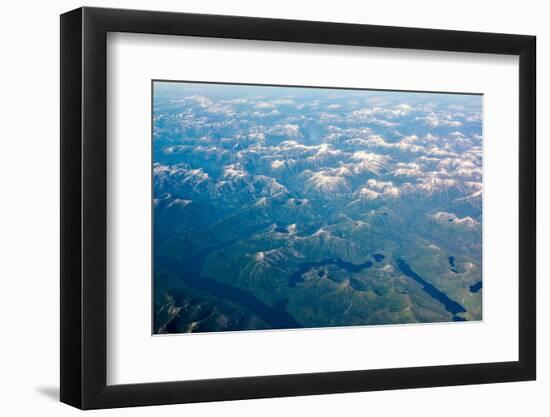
(276, 316)
(296, 277)
(190, 272)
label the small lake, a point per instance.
(452, 263)
(476, 287)
(378, 257)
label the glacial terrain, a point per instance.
(281, 207)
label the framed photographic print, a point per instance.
(257, 207)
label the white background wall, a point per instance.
(29, 225)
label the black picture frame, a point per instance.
(84, 207)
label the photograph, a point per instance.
(286, 207)
(275, 209)
(256, 205)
